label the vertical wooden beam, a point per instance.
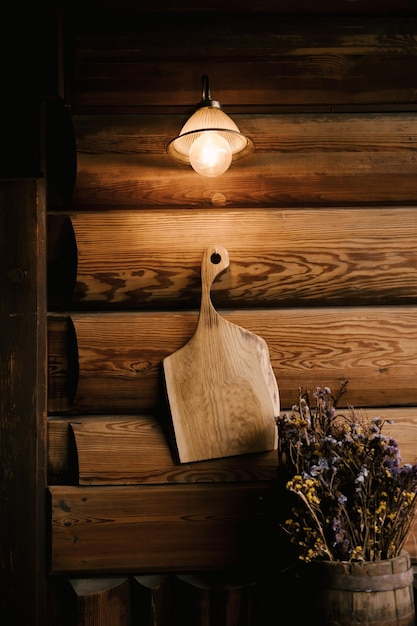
(215, 599)
(23, 401)
(151, 604)
(102, 601)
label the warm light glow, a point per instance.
(210, 154)
(209, 140)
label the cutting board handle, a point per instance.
(215, 261)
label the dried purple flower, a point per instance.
(352, 499)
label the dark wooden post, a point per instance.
(23, 401)
(101, 601)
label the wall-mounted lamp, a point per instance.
(209, 141)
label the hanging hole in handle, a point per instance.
(215, 258)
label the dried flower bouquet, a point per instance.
(351, 500)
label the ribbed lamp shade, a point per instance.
(209, 118)
(214, 119)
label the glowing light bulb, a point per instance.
(210, 154)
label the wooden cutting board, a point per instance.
(221, 388)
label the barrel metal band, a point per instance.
(386, 582)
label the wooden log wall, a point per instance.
(321, 227)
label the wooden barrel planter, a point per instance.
(378, 593)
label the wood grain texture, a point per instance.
(131, 7)
(374, 348)
(222, 392)
(134, 449)
(152, 599)
(224, 597)
(112, 137)
(122, 162)
(176, 527)
(153, 528)
(104, 601)
(59, 464)
(62, 363)
(317, 256)
(320, 222)
(23, 399)
(157, 59)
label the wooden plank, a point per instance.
(152, 528)
(114, 138)
(150, 259)
(155, 59)
(178, 527)
(23, 400)
(134, 449)
(403, 429)
(273, 180)
(174, 87)
(374, 348)
(132, 7)
(122, 163)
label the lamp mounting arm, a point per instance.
(206, 95)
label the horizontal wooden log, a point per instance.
(112, 137)
(176, 527)
(158, 58)
(122, 163)
(132, 7)
(160, 528)
(135, 450)
(120, 354)
(97, 450)
(150, 259)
